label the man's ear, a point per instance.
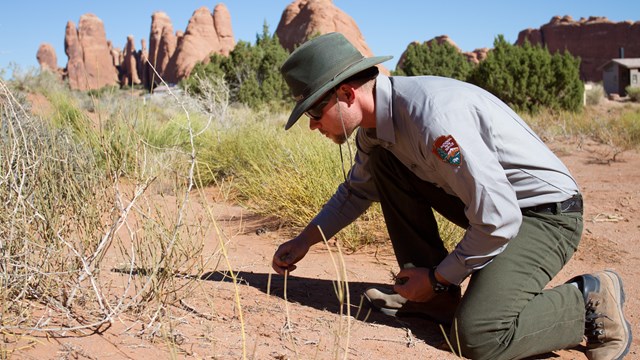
(348, 93)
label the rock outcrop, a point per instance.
(162, 44)
(47, 58)
(76, 73)
(143, 63)
(90, 64)
(94, 62)
(595, 40)
(477, 55)
(205, 35)
(304, 19)
(222, 23)
(129, 67)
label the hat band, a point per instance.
(348, 67)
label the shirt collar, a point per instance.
(384, 110)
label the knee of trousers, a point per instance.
(478, 336)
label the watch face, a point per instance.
(439, 288)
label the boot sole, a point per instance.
(620, 288)
(399, 313)
(386, 311)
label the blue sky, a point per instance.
(388, 27)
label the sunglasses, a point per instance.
(315, 111)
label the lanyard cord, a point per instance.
(344, 129)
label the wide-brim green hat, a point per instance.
(318, 66)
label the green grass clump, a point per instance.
(633, 93)
(286, 176)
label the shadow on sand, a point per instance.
(320, 294)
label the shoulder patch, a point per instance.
(447, 149)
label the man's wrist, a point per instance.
(440, 278)
(438, 287)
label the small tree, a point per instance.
(433, 58)
(528, 77)
(251, 72)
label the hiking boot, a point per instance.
(608, 333)
(440, 309)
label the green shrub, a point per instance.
(529, 78)
(433, 58)
(633, 93)
(251, 72)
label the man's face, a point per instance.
(330, 118)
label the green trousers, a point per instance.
(506, 312)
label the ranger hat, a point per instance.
(318, 66)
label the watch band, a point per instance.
(438, 287)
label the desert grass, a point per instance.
(458, 353)
(594, 94)
(617, 126)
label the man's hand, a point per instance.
(294, 250)
(415, 285)
(288, 254)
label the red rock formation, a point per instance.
(222, 22)
(595, 40)
(90, 64)
(129, 67)
(206, 34)
(477, 55)
(304, 19)
(166, 50)
(161, 46)
(98, 62)
(47, 58)
(76, 72)
(116, 54)
(143, 63)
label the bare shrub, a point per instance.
(55, 201)
(594, 93)
(77, 220)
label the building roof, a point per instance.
(629, 63)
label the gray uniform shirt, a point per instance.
(501, 164)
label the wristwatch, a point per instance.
(438, 287)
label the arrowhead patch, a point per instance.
(447, 149)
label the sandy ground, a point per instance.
(308, 322)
